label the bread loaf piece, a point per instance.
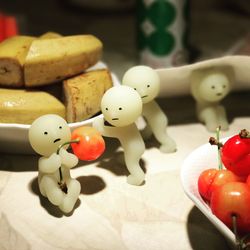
(22, 106)
(51, 60)
(13, 52)
(83, 94)
(49, 35)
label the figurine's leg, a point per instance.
(159, 128)
(146, 132)
(137, 175)
(74, 189)
(51, 189)
(209, 117)
(222, 118)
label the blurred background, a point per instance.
(212, 28)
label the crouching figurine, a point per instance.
(209, 87)
(47, 136)
(121, 106)
(146, 82)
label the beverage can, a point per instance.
(162, 32)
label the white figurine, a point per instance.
(147, 83)
(121, 106)
(209, 87)
(46, 134)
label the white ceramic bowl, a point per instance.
(14, 137)
(200, 159)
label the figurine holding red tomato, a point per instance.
(50, 136)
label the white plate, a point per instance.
(14, 137)
(200, 159)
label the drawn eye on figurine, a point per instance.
(121, 108)
(214, 87)
(146, 82)
(47, 133)
(50, 136)
(209, 87)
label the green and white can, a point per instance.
(162, 32)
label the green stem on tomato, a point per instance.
(234, 224)
(63, 185)
(216, 141)
(219, 147)
(65, 143)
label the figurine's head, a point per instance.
(211, 86)
(144, 80)
(121, 106)
(47, 133)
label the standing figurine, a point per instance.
(147, 83)
(209, 87)
(47, 136)
(121, 106)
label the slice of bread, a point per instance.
(24, 106)
(54, 59)
(83, 94)
(13, 52)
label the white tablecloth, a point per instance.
(110, 214)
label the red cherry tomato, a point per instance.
(248, 181)
(212, 178)
(235, 155)
(91, 144)
(230, 199)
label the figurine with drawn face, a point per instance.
(147, 83)
(121, 106)
(208, 88)
(46, 134)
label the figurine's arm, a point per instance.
(68, 160)
(98, 123)
(154, 115)
(49, 165)
(222, 117)
(108, 131)
(208, 116)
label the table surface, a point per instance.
(110, 214)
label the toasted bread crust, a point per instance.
(84, 92)
(52, 60)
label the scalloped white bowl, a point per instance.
(14, 137)
(202, 158)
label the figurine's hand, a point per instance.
(55, 161)
(51, 164)
(98, 124)
(109, 131)
(68, 160)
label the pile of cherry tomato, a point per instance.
(227, 189)
(88, 144)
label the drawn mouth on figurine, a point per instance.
(219, 94)
(115, 119)
(56, 140)
(144, 96)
